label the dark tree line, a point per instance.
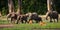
(39, 6)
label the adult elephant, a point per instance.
(34, 16)
(52, 15)
(22, 18)
(13, 17)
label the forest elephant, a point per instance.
(13, 17)
(34, 16)
(53, 15)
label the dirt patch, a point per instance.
(6, 25)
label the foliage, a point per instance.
(39, 6)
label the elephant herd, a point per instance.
(26, 18)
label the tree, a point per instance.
(19, 6)
(10, 6)
(49, 6)
(0, 14)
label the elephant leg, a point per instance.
(36, 21)
(54, 20)
(57, 19)
(51, 20)
(39, 21)
(11, 20)
(22, 21)
(17, 21)
(8, 20)
(25, 21)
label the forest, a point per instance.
(39, 6)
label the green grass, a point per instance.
(34, 26)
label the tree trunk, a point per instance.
(10, 6)
(19, 6)
(49, 6)
(0, 14)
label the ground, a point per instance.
(4, 25)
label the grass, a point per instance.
(34, 26)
